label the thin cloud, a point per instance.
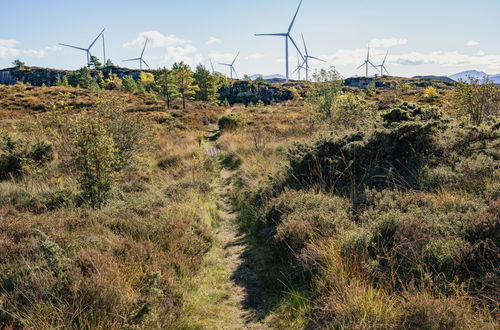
(447, 58)
(213, 40)
(387, 42)
(354, 57)
(471, 43)
(221, 57)
(155, 40)
(8, 48)
(187, 54)
(255, 56)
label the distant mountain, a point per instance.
(466, 75)
(495, 78)
(269, 77)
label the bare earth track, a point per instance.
(238, 283)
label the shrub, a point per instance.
(430, 93)
(16, 154)
(229, 121)
(230, 160)
(95, 158)
(304, 217)
(477, 100)
(129, 84)
(102, 143)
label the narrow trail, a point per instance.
(224, 293)
(243, 279)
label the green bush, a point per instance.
(16, 154)
(303, 217)
(229, 121)
(129, 84)
(103, 142)
(409, 143)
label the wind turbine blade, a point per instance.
(305, 47)
(93, 42)
(359, 67)
(145, 63)
(317, 59)
(296, 47)
(235, 58)
(132, 59)
(270, 34)
(212, 65)
(144, 48)
(298, 68)
(385, 58)
(225, 64)
(372, 65)
(74, 47)
(294, 17)
(386, 71)
(368, 54)
(236, 74)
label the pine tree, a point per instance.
(95, 63)
(166, 86)
(208, 85)
(128, 84)
(109, 63)
(185, 82)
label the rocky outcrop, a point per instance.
(246, 92)
(43, 76)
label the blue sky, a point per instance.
(423, 37)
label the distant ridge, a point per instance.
(466, 75)
(269, 77)
(438, 78)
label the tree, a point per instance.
(166, 86)
(186, 83)
(147, 80)
(208, 85)
(478, 100)
(95, 63)
(129, 84)
(82, 78)
(109, 63)
(19, 64)
(324, 93)
(113, 81)
(62, 82)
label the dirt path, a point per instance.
(223, 294)
(242, 276)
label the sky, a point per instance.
(423, 37)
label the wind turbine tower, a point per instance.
(287, 37)
(367, 63)
(307, 57)
(231, 67)
(140, 59)
(382, 66)
(86, 50)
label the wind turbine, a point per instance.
(299, 67)
(86, 50)
(307, 57)
(212, 66)
(231, 66)
(287, 36)
(382, 66)
(367, 62)
(140, 59)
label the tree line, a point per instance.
(179, 83)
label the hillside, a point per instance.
(356, 204)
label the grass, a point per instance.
(153, 257)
